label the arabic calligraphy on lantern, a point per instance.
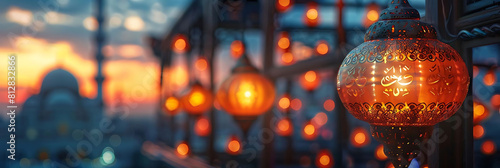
(394, 75)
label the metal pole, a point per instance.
(267, 18)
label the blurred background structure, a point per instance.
(108, 83)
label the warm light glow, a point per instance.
(233, 146)
(19, 16)
(478, 131)
(283, 5)
(196, 99)
(372, 15)
(379, 153)
(309, 131)
(495, 100)
(359, 138)
(130, 51)
(490, 78)
(296, 104)
(310, 81)
(237, 48)
(480, 112)
(488, 147)
(475, 71)
(287, 58)
(284, 41)
(329, 105)
(90, 23)
(284, 127)
(322, 48)
(172, 105)
(201, 64)
(389, 165)
(284, 102)
(311, 16)
(202, 126)
(180, 43)
(324, 159)
(320, 119)
(134, 23)
(182, 150)
(246, 94)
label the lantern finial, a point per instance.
(399, 9)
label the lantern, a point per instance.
(310, 81)
(202, 126)
(283, 5)
(371, 15)
(197, 100)
(402, 80)
(172, 105)
(180, 43)
(284, 127)
(311, 16)
(233, 146)
(246, 94)
(324, 159)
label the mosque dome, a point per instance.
(61, 98)
(59, 79)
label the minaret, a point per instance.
(99, 43)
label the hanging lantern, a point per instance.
(360, 138)
(371, 15)
(284, 127)
(283, 5)
(180, 43)
(322, 47)
(246, 94)
(172, 105)
(202, 126)
(324, 159)
(182, 150)
(233, 146)
(237, 49)
(311, 16)
(197, 100)
(402, 81)
(310, 81)
(480, 112)
(309, 131)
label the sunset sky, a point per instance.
(59, 34)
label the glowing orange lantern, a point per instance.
(402, 81)
(172, 105)
(246, 94)
(372, 14)
(284, 127)
(309, 132)
(233, 146)
(379, 153)
(180, 43)
(182, 150)
(197, 100)
(477, 131)
(310, 81)
(488, 147)
(322, 47)
(480, 112)
(311, 16)
(237, 49)
(324, 159)
(284, 41)
(360, 138)
(283, 5)
(202, 126)
(490, 77)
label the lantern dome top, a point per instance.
(400, 20)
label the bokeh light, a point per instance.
(360, 137)
(488, 147)
(182, 149)
(379, 153)
(478, 131)
(329, 105)
(237, 49)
